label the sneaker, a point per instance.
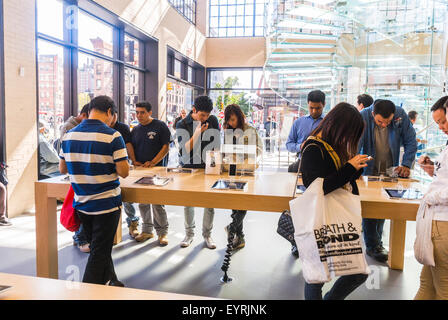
(209, 242)
(115, 283)
(187, 241)
(133, 229)
(379, 253)
(238, 242)
(144, 236)
(163, 240)
(84, 247)
(5, 222)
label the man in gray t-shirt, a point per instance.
(383, 155)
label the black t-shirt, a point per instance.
(124, 131)
(149, 140)
(188, 161)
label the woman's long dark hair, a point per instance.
(342, 128)
(236, 110)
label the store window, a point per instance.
(184, 84)
(236, 18)
(187, 8)
(95, 35)
(50, 17)
(90, 56)
(132, 96)
(95, 78)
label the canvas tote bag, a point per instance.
(328, 231)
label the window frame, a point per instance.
(175, 4)
(147, 52)
(254, 4)
(198, 70)
(148, 57)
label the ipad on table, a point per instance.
(404, 194)
(229, 185)
(153, 181)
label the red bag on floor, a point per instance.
(69, 218)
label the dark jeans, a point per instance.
(340, 290)
(80, 237)
(268, 144)
(101, 228)
(373, 232)
(237, 222)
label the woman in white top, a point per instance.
(434, 280)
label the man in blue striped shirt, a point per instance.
(94, 155)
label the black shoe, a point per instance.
(115, 283)
(379, 254)
(238, 243)
(294, 251)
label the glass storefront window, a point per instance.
(177, 68)
(51, 88)
(131, 85)
(95, 78)
(131, 51)
(228, 78)
(50, 17)
(95, 35)
(243, 18)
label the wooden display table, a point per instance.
(32, 288)
(267, 191)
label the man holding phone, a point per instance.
(387, 129)
(438, 111)
(197, 133)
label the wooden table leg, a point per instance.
(397, 240)
(119, 233)
(46, 233)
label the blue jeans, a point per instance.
(130, 212)
(340, 290)
(373, 232)
(80, 238)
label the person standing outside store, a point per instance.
(388, 128)
(94, 155)
(196, 133)
(150, 140)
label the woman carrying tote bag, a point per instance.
(331, 153)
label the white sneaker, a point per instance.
(209, 242)
(187, 241)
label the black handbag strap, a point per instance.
(300, 164)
